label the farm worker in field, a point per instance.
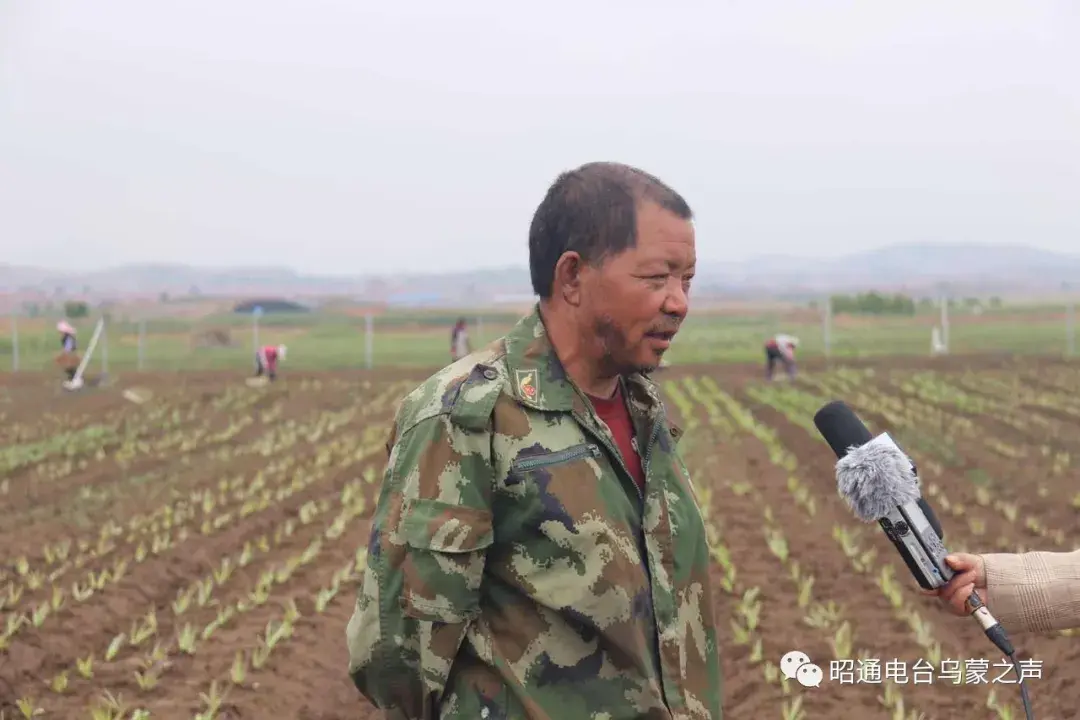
(780, 349)
(536, 551)
(68, 358)
(459, 341)
(1029, 592)
(266, 360)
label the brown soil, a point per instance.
(175, 484)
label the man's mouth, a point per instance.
(661, 338)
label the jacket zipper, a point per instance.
(649, 447)
(561, 456)
(615, 453)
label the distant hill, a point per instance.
(919, 269)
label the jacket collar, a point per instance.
(539, 381)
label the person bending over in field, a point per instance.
(780, 348)
(68, 358)
(459, 341)
(266, 360)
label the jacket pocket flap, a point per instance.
(442, 527)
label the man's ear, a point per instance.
(568, 271)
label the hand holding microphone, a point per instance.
(970, 577)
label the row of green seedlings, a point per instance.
(823, 616)
(930, 387)
(164, 471)
(253, 497)
(90, 548)
(276, 632)
(1010, 511)
(863, 562)
(1019, 392)
(187, 640)
(275, 439)
(218, 446)
(1058, 379)
(792, 403)
(74, 448)
(983, 497)
(1026, 395)
(1013, 410)
(929, 391)
(745, 626)
(257, 657)
(936, 392)
(109, 708)
(746, 623)
(62, 452)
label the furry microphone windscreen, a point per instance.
(875, 478)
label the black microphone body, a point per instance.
(911, 526)
(883, 491)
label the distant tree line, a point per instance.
(270, 305)
(873, 303)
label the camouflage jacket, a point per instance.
(505, 574)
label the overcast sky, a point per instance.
(351, 136)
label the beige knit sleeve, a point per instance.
(1035, 591)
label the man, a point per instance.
(536, 551)
(459, 341)
(266, 360)
(1030, 592)
(780, 348)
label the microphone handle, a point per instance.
(989, 624)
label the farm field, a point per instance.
(198, 553)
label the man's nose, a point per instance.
(677, 302)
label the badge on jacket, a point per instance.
(526, 383)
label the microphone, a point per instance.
(879, 482)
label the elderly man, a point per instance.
(537, 551)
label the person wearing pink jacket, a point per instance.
(780, 349)
(266, 360)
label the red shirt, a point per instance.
(614, 413)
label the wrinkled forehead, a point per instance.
(664, 240)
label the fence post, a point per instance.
(369, 340)
(945, 321)
(104, 346)
(142, 343)
(1070, 323)
(14, 341)
(826, 329)
(255, 313)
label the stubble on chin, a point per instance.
(616, 351)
